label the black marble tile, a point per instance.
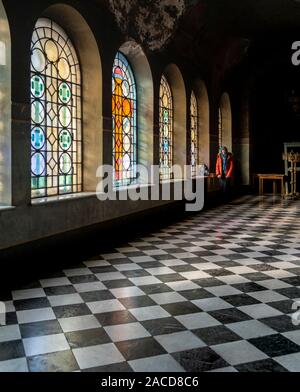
(156, 289)
(58, 362)
(117, 284)
(140, 348)
(294, 281)
(250, 287)
(30, 304)
(83, 279)
(219, 272)
(265, 366)
(256, 277)
(240, 300)
(290, 292)
(171, 278)
(103, 270)
(229, 316)
(192, 295)
(163, 257)
(295, 271)
(135, 274)
(137, 302)
(163, 326)
(42, 328)
(11, 318)
(61, 290)
(135, 254)
(96, 296)
(11, 350)
(216, 335)
(86, 338)
(71, 311)
(181, 308)
(281, 323)
(200, 360)
(120, 261)
(151, 264)
(208, 282)
(115, 318)
(285, 307)
(263, 267)
(184, 268)
(275, 345)
(212, 247)
(234, 256)
(191, 260)
(228, 263)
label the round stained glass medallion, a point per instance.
(37, 138)
(64, 93)
(38, 164)
(38, 60)
(51, 50)
(37, 112)
(65, 140)
(65, 163)
(63, 68)
(65, 116)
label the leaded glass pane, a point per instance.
(56, 124)
(166, 130)
(220, 128)
(124, 110)
(194, 134)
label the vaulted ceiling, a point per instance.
(206, 31)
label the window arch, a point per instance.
(220, 128)
(5, 109)
(124, 109)
(56, 107)
(194, 133)
(225, 122)
(166, 129)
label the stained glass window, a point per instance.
(56, 113)
(194, 134)
(220, 128)
(124, 109)
(166, 130)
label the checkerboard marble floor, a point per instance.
(214, 292)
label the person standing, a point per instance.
(224, 169)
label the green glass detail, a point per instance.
(65, 140)
(37, 138)
(64, 93)
(37, 86)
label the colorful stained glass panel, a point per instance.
(194, 134)
(56, 131)
(124, 110)
(166, 130)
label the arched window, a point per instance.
(220, 128)
(56, 107)
(225, 122)
(194, 134)
(124, 109)
(166, 130)
(5, 109)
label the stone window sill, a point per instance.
(62, 198)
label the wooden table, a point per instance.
(271, 177)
